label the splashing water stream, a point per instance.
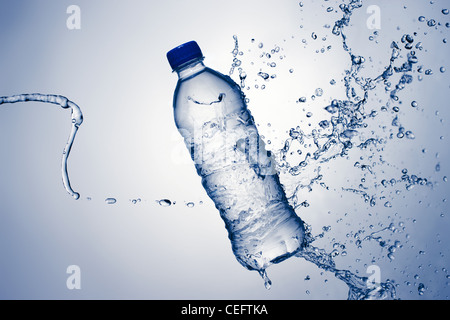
(77, 120)
(359, 287)
(348, 118)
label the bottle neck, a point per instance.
(190, 68)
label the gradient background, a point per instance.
(115, 69)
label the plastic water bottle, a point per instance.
(237, 172)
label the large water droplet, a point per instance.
(110, 200)
(263, 75)
(164, 202)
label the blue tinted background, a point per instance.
(115, 69)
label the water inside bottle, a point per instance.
(238, 175)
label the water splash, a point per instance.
(337, 136)
(359, 287)
(77, 120)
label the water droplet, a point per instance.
(304, 204)
(431, 23)
(263, 75)
(437, 168)
(421, 289)
(445, 11)
(414, 104)
(421, 18)
(410, 135)
(324, 124)
(387, 204)
(267, 281)
(302, 99)
(407, 38)
(314, 36)
(349, 133)
(319, 92)
(110, 200)
(164, 202)
(190, 204)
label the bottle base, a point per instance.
(284, 241)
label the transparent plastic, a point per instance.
(237, 172)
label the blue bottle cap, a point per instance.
(183, 53)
